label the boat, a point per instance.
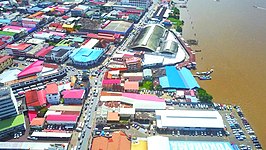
(208, 77)
(205, 73)
(198, 50)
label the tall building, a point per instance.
(8, 103)
(10, 121)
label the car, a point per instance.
(32, 138)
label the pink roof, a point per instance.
(73, 94)
(51, 88)
(62, 118)
(4, 58)
(131, 85)
(20, 47)
(16, 28)
(32, 115)
(32, 69)
(44, 51)
(57, 33)
(143, 97)
(111, 81)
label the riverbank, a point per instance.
(238, 78)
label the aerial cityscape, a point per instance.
(110, 75)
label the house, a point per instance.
(74, 96)
(147, 74)
(133, 64)
(5, 61)
(59, 54)
(35, 99)
(131, 87)
(18, 49)
(37, 123)
(52, 93)
(112, 85)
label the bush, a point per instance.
(203, 96)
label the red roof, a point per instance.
(111, 81)
(51, 88)
(44, 51)
(19, 47)
(62, 118)
(4, 58)
(35, 98)
(32, 115)
(33, 68)
(73, 94)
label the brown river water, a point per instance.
(232, 37)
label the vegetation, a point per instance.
(203, 96)
(158, 87)
(148, 85)
(174, 18)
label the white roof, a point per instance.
(133, 74)
(127, 111)
(188, 118)
(137, 104)
(90, 44)
(64, 87)
(51, 134)
(158, 143)
(27, 145)
(35, 41)
(9, 75)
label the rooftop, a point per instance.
(86, 54)
(77, 94)
(111, 81)
(33, 68)
(113, 116)
(37, 121)
(131, 85)
(118, 141)
(51, 88)
(11, 122)
(72, 118)
(4, 58)
(35, 98)
(19, 47)
(118, 26)
(188, 118)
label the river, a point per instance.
(232, 37)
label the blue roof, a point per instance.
(195, 145)
(86, 54)
(178, 79)
(6, 21)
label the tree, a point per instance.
(148, 85)
(203, 96)
(158, 87)
(176, 11)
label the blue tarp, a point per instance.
(178, 79)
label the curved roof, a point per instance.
(149, 37)
(169, 47)
(84, 55)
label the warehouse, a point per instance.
(190, 121)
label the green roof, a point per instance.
(11, 122)
(7, 33)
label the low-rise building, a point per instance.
(112, 85)
(59, 54)
(74, 96)
(136, 76)
(131, 87)
(62, 119)
(52, 93)
(37, 123)
(35, 99)
(18, 49)
(12, 125)
(5, 61)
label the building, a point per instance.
(5, 61)
(62, 119)
(139, 3)
(59, 54)
(131, 86)
(85, 57)
(140, 102)
(178, 79)
(37, 123)
(113, 117)
(117, 27)
(74, 96)
(31, 70)
(189, 120)
(158, 142)
(118, 141)
(133, 63)
(35, 99)
(139, 144)
(18, 49)
(137, 76)
(52, 93)
(79, 11)
(8, 103)
(12, 125)
(147, 74)
(112, 85)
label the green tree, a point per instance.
(158, 87)
(148, 85)
(176, 11)
(204, 96)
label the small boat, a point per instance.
(198, 50)
(205, 73)
(208, 77)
